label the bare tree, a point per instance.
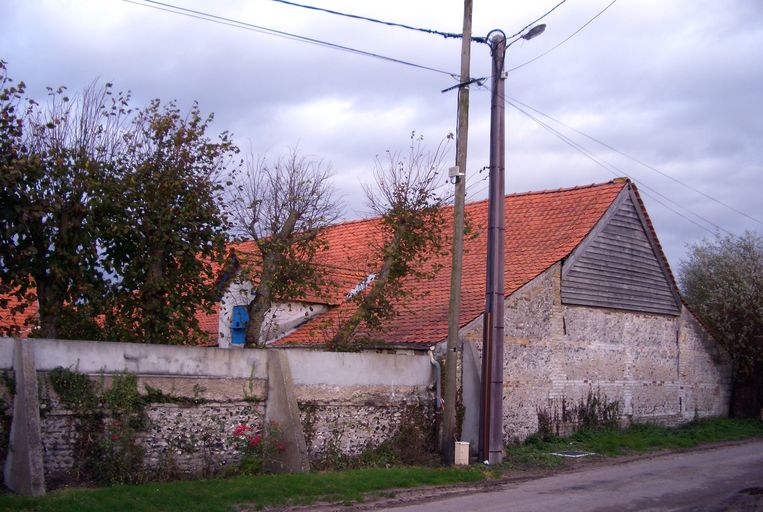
(404, 194)
(282, 207)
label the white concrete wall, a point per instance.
(347, 401)
(95, 357)
(308, 367)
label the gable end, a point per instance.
(618, 265)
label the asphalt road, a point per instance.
(719, 479)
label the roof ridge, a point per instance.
(623, 180)
(615, 181)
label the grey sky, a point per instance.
(677, 84)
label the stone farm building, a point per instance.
(591, 307)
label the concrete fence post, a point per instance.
(24, 471)
(282, 409)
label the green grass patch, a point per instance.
(536, 452)
(254, 491)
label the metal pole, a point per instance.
(448, 433)
(485, 395)
(493, 378)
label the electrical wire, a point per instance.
(260, 29)
(565, 40)
(470, 187)
(373, 20)
(161, 6)
(617, 172)
(480, 191)
(614, 170)
(611, 148)
(519, 33)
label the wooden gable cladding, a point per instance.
(620, 265)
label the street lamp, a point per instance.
(534, 32)
(491, 417)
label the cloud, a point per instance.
(676, 84)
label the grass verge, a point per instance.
(536, 452)
(351, 486)
(254, 491)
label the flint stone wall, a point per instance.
(349, 420)
(344, 414)
(190, 437)
(347, 401)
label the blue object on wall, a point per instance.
(238, 323)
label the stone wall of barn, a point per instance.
(561, 360)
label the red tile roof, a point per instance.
(17, 324)
(341, 273)
(542, 228)
(208, 323)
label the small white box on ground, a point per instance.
(462, 453)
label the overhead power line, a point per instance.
(617, 172)
(372, 20)
(447, 35)
(191, 13)
(519, 33)
(640, 162)
(565, 40)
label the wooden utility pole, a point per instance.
(448, 424)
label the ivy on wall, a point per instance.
(111, 424)
(6, 397)
(105, 449)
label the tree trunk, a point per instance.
(49, 310)
(261, 303)
(153, 299)
(49, 303)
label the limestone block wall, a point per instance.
(704, 370)
(659, 368)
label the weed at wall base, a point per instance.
(593, 411)
(413, 443)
